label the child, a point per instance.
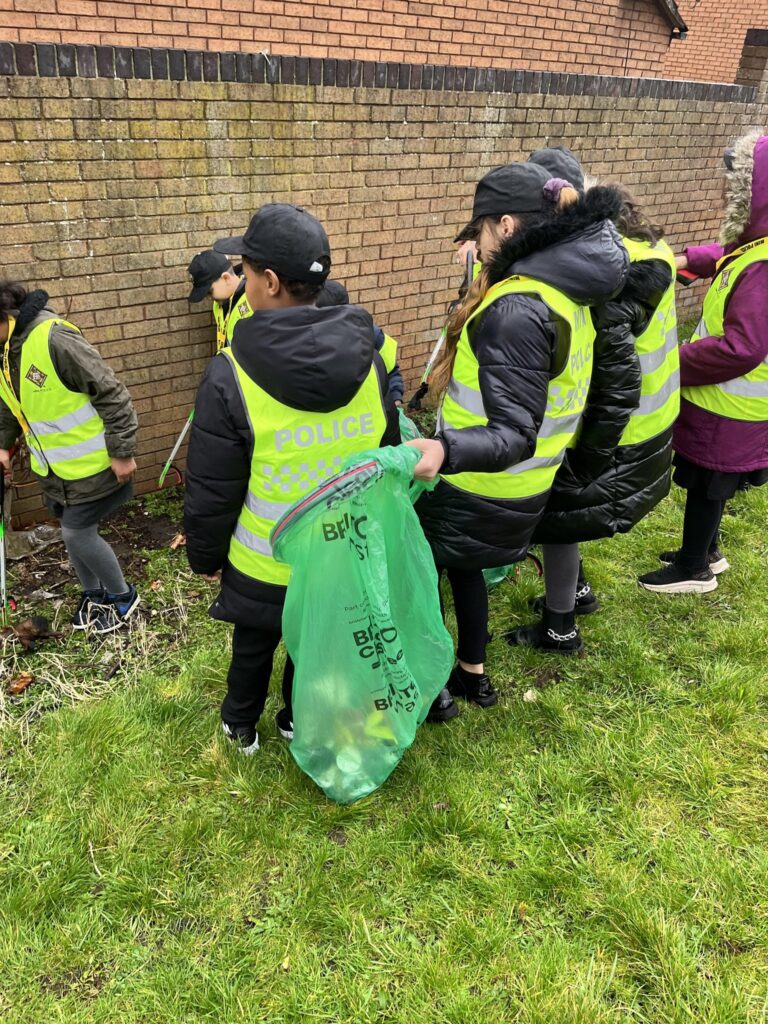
(515, 373)
(299, 390)
(334, 293)
(721, 436)
(620, 467)
(80, 428)
(214, 276)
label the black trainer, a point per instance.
(244, 736)
(284, 724)
(444, 707)
(586, 601)
(717, 561)
(674, 580)
(114, 612)
(555, 633)
(88, 609)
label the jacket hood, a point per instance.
(746, 208)
(30, 309)
(579, 251)
(308, 358)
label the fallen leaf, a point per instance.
(178, 541)
(156, 585)
(286, 964)
(28, 631)
(530, 696)
(19, 683)
(192, 595)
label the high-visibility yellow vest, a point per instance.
(226, 315)
(388, 352)
(658, 353)
(745, 397)
(463, 402)
(63, 431)
(293, 453)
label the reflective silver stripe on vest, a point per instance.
(472, 401)
(745, 388)
(271, 510)
(64, 423)
(252, 541)
(651, 361)
(68, 452)
(468, 398)
(542, 462)
(702, 331)
(652, 403)
(560, 425)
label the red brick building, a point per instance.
(607, 37)
(721, 42)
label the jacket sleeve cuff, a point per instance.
(703, 259)
(119, 448)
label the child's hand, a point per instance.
(432, 458)
(124, 469)
(681, 262)
(5, 461)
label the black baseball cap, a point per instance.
(205, 268)
(561, 163)
(286, 239)
(511, 188)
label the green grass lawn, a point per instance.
(595, 855)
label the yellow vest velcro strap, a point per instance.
(651, 361)
(266, 509)
(68, 452)
(251, 540)
(64, 423)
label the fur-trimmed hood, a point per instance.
(746, 205)
(579, 251)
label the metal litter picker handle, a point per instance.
(176, 447)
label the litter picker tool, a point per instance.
(176, 447)
(415, 403)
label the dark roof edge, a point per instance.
(672, 13)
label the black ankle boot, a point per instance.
(556, 632)
(473, 687)
(443, 708)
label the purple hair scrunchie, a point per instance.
(554, 187)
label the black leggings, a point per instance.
(470, 600)
(701, 527)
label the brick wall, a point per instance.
(602, 36)
(716, 34)
(109, 185)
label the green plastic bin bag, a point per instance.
(361, 622)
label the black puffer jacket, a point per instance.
(602, 489)
(520, 347)
(307, 358)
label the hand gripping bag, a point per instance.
(361, 622)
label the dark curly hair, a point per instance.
(632, 222)
(12, 295)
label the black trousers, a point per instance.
(701, 527)
(253, 651)
(470, 601)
